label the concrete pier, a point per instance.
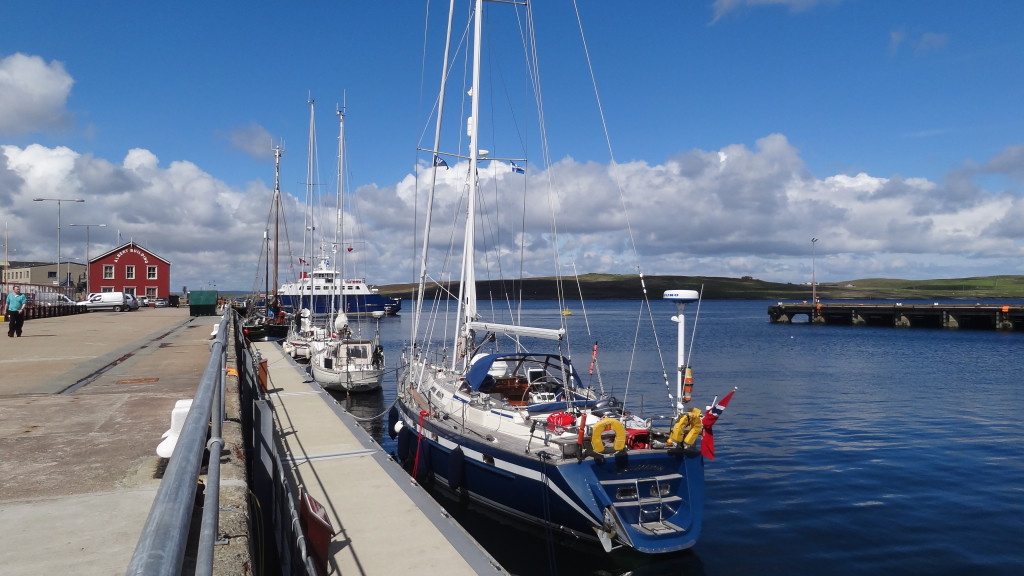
(989, 316)
(84, 402)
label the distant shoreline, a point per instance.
(609, 286)
(621, 287)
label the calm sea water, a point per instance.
(846, 450)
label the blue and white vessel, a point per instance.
(323, 291)
(496, 412)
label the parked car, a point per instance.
(118, 301)
(160, 302)
(52, 299)
(143, 300)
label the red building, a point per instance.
(130, 268)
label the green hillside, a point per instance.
(605, 286)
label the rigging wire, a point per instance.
(616, 177)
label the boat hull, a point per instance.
(260, 330)
(354, 305)
(357, 380)
(594, 499)
(348, 365)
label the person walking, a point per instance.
(14, 310)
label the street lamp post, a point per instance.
(88, 265)
(58, 201)
(814, 281)
(68, 277)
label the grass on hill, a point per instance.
(608, 286)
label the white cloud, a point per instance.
(208, 230)
(731, 212)
(32, 95)
(923, 43)
(253, 140)
(722, 7)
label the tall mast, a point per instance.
(428, 218)
(339, 228)
(311, 169)
(277, 210)
(467, 288)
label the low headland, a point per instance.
(619, 286)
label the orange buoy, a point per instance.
(687, 384)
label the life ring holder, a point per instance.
(597, 443)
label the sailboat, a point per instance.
(308, 332)
(324, 289)
(509, 425)
(343, 361)
(347, 363)
(265, 315)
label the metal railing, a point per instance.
(284, 548)
(161, 548)
(281, 544)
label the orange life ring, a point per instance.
(597, 443)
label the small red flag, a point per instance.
(707, 444)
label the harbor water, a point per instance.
(846, 450)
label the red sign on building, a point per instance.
(130, 268)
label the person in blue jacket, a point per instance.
(14, 308)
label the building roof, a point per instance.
(14, 264)
(128, 246)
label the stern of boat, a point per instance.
(651, 501)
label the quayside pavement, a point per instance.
(84, 400)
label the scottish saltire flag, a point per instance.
(707, 444)
(438, 161)
(517, 168)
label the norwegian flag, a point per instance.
(707, 445)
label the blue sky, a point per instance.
(891, 131)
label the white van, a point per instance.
(118, 301)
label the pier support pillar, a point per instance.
(950, 321)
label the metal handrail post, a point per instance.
(211, 499)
